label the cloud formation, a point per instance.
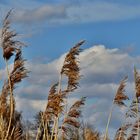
(47, 13)
(77, 12)
(102, 69)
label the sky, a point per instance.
(51, 27)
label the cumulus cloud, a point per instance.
(102, 69)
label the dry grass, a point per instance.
(8, 114)
(57, 121)
(71, 121)
(120, 96)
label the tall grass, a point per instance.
(58, 121)
(119, 100)
(9, 116)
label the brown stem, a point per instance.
(55, 126)
(38, 131)
(11, 100)
(53, 129)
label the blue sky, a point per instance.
(49, 28)
(45, 36)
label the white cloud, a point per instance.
(29, 107)
(103, 11)
(83, 12)
(37, 15)
(102, 70)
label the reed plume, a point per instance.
(120, 95)
(71, 68)
(132, 111)
(17, 131)
(133, 114)
(10, 46)
(19, 71)
(134, 132)
(121, 133)
(91, 134)
(119, 100)
(71, 121)
(55, 103)
(137, 90)
(137, 82)
(54, 107)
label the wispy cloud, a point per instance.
(83, 12)
(103, 11)
(44, 13)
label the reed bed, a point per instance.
(57, 121)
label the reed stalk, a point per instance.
(108, 122)
(137, 103)
(55, 125)
(11, 100)
(136, 78)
